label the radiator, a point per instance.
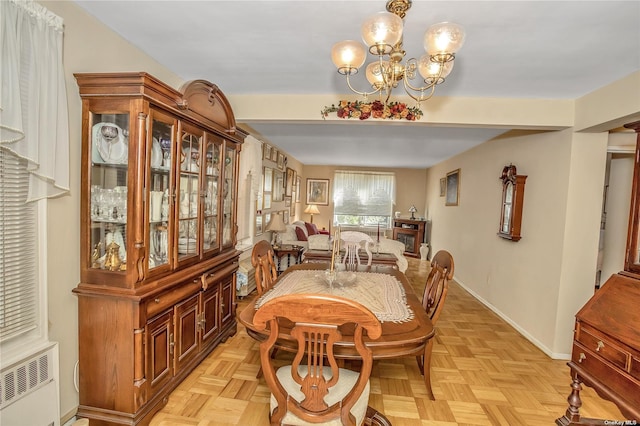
(246, 278)
(29, 393)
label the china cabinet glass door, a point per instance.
(188, 192)
(213, 156)
(160, 189)
(228, 186)
(108, 203)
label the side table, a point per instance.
(288, 250)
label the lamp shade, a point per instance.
(276, 224)
(348, 56)
(429, 69)
(382, 29)
(445, 38)
(312, 209)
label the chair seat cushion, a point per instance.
(346, 382)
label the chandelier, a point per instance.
(382, 33)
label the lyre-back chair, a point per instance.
(352, 241)
(313, 389)
(435, 292)
(262, 260)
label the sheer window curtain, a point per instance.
(363, 193)
(33, 101)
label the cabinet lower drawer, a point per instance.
(169, 298)
(605, 373)
(597, 342)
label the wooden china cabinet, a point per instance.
(606, 345)
(158, 233)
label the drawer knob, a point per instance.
(581, 357)
(600, 346)
(157, 300)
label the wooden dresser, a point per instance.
(606, 345)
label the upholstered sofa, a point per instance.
(306, 235)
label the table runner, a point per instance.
(381, 293)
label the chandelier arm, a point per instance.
(408, 88)
(359, 92)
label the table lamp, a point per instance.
(276, 224)
(413, 210)
(312, 209)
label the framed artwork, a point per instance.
(453, 188)
(297, 197)
(274, 154)
(280, 161)
(258, 222)
(259, 201)
(443, 186)
(290, 181)
(285, 216)
(266, 151)
(266, 200)
(267, 183)
(318, 191)
(287, 201)
(266, 218)
(278, 185)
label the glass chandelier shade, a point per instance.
(348, 56)
(443, 40)
(430, 69)
(381, 32)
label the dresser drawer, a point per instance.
(169, 298)
(605, 374)
(601, 344)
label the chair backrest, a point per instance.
(352, 241)
(262, 261)
(317, 321)
(437, 285)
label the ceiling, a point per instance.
(513, 49)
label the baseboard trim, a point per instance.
(522, 331)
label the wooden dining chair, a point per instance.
(262, 260)
(435, 292)
(313, 388)
(353, 241)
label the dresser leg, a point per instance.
(572, 415)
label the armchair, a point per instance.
(297, 233)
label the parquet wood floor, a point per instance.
(483, 373)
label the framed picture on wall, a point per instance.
(443, 186)
(297, 197)
(453, 188)
(274, 154)
(266, 151)
(281, 161)
(267, 179)
(258, 222)
(318, 191)
(290, 181)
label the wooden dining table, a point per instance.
(406, 328)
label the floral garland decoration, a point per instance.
(376, 109)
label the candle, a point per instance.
(333, 252)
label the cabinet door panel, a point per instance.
(211, 313)
(228, 300)
(188, 199)
(228, 196)
(159, 145)
(213, 154)
(186, 330)
(159, 350)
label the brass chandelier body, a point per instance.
(382, 33)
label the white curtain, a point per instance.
(33, 99)
(363, 193)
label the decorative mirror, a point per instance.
(512, 199)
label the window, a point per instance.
(18, 250)
(363, 198)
